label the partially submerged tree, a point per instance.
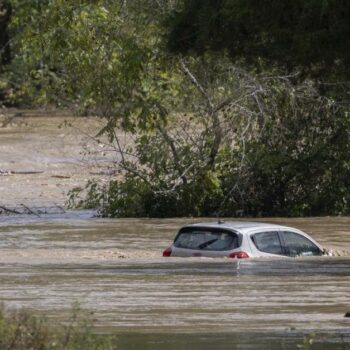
(282, 150)
(201, 135)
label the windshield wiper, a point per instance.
(205, 244)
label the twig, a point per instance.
(197, 84)
(63, 211)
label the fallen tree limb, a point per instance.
(23, 209)
(12, 211)
(11, 172)
(61, 176)
(26, 172)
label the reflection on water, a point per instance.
(114, 268)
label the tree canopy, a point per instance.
(5, 15)
(310, 35)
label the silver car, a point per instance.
(240, 239)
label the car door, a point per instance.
(299, 245)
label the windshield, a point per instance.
(206, 239)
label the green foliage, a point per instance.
(73, 53)
(22, 331)
(93, 196)
(210, 135)
(310, 35)
(100, 57)
(132, 197)
(298, 163)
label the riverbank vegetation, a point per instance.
(209, 109)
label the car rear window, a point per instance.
(212, 239)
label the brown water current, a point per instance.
(114, 268)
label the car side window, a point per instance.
(268, 242)
(298, 245)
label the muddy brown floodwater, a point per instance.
(114, 268)
(44, 155)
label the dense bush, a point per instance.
(295, 162)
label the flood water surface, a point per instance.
(115, 269)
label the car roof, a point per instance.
(241, 226)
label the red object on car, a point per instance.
(239, 255)
(167, 252)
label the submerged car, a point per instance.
(239, 239)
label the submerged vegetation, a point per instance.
(230, 128)
(22, 331)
